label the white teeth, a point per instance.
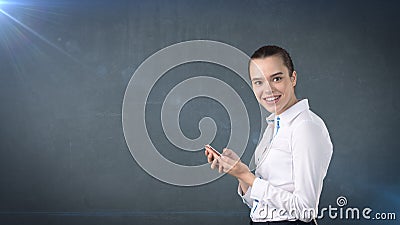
(272, 98)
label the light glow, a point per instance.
(13, 30)
(4, 3)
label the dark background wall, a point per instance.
(65, 65)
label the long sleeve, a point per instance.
(246, 196)
(311, 154)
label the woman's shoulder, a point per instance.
(308, 119)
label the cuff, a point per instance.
(246, 196)
(259, 189)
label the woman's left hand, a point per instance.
(230, 163)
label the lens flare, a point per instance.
(19, 37)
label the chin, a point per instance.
(269, 108)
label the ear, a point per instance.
(293, 78)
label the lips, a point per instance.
(272, 99)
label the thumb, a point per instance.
(228, 152)
(231, 154)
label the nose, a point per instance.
(268, 88)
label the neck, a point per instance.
(293, 101)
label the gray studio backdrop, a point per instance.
(65, 67)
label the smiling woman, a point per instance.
(273, 84)
(293, 156)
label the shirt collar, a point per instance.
(289, 114)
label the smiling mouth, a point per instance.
(272, 99)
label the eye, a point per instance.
(257, 82)
(276, 79)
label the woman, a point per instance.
(293, 155)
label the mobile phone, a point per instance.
(213, 149)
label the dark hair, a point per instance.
(272, 50)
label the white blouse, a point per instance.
(291, 160)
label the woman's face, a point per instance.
(272, 85)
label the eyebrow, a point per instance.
(276, 74)
(257, 78)
(273, 75)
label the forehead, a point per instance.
(267, 66)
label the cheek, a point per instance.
(285, 88)
(257, 92)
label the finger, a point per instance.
(214, 164)
(214, 155)
(228, 160)
(228, 163)
(210, 155)
(220, 168)
(224, 166)
(210, 158)
(232, 161)
(229, 153)
(210, 151)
